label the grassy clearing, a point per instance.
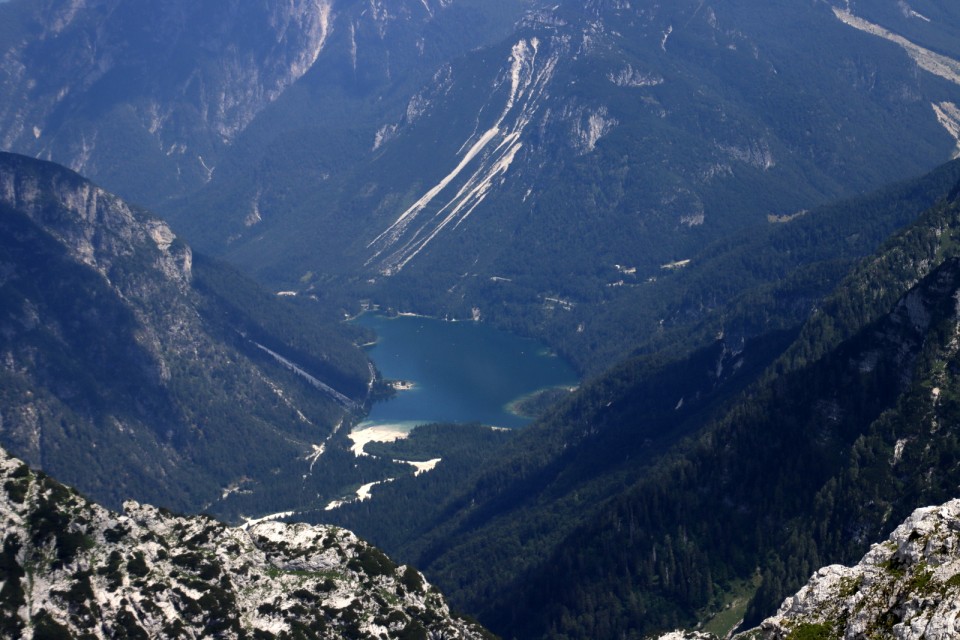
(735, 602)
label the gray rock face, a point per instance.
(187, 110)
(97, 227)
(71, 566)
(906, 588)
(150, 98)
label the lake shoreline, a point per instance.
(436, 371)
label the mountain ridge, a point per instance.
(131, 366)
(462, 147)
(698, 153)
(70, 568)
(573, 164)
(172, 87)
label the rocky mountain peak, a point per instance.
(179, 81)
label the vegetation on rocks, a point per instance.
(72, 569)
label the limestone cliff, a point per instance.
(70, 568)
(907, 587)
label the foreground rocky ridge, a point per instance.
(907, 588)
(70, 568)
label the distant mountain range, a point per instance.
(151, 99)
(537, 161)
(672, 196)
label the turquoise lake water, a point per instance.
(462, 371)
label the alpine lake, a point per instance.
(458, 372)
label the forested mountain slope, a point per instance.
(133, 369)
(597, 148)
(802, 462)
(762, 279)
(626, 180)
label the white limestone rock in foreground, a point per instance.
(70, 566)
(906, 588)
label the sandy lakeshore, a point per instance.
(362, 435)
